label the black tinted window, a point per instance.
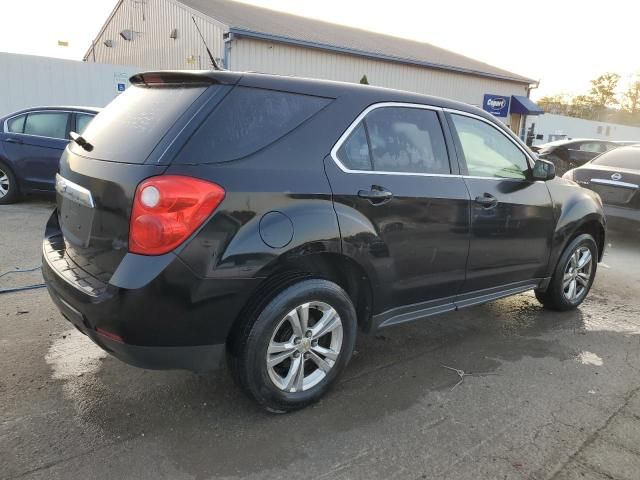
(354, 153)
(47, 124)
(16, 124)
(620, 158)
(247, 120)
(131, 126)
(407, 140)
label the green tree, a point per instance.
(582, 106)
(558, 104)
(364, 80)
(603, 93)
(631, 99)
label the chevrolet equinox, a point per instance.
(266, 219)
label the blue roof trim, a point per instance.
(524, 106)
(378, 56)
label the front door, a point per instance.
(400, 210)
(511, 215)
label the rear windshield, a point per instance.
(130, 127)
(247, 120)
(628, 157)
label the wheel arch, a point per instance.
(334, 267)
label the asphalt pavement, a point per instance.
(550, 395)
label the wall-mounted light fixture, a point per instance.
(127, 35)
(174, 33)
(108, 43)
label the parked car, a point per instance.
(31, 143)
(615, 176)
(568, 154)
(271, 217)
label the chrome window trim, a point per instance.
(6, 122)
(615, 183)
(370, 108)
(530, 160)
(356, 122)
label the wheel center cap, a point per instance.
(305, 345)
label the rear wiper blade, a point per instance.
(80, 140)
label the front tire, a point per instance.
(573, 276)
(295, 348)
(8, 185)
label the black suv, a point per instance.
(272, 217)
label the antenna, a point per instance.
(214, 64)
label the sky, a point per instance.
(564, 44)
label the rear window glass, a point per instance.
(620, 158)
(16, 124)
(130, 127)
(247, 120)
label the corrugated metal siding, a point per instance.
(268, 57)
(151, 47)
(28, 81)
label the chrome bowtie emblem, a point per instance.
(616, 176)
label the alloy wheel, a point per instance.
(4, 183)
(304, 347)
(577, 274)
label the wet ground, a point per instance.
(553, 396)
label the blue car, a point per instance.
(31, 143)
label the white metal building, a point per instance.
(556, 127)
(30, 81)
(160, 34)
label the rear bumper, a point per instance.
(171, 320)
(195, 358)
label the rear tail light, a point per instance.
(168, 209)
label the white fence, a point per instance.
(27, 81)
(555, 127)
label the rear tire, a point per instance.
(292, 351)
(573, 276)
(8, 185)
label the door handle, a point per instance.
(13, 140)
(487, 200)
(377, 195)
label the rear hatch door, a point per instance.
(133, 138)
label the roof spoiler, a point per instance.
(185, 77)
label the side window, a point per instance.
(405, 139)
(354, 153)
(487, 151)
(593, 147)
(247, 120)
(47, 124)
(16, 124)
(82, 120)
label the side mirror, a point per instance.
(543, 170)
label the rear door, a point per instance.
(36, 144)
(402, 210)
(511, 215)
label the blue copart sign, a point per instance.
(497, 105)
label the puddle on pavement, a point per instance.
(73, 355)
(76, 361)
(590, 358)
